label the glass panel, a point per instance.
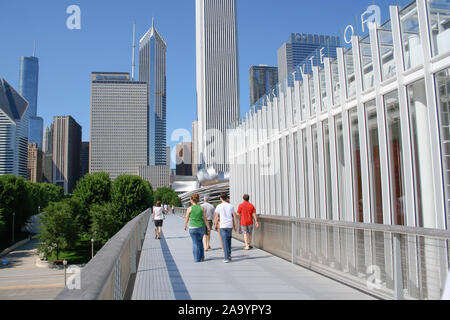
(341, 168)
(443, 99)
(423, 173)
(302, 101)
(395, 149)
(412, 45)
(335, 82)
(373, 150)
(315, 146)
(327, 156)
(323, 90)
(350, 73)
(439, 16)
(356, 166)
(306, 172)
(366, 63)
(312, 95)
(386, 48)
(293, 106)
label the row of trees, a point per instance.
(23, 198)
(98, 209)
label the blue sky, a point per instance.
(67, 57)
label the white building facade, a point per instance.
(362, 142)
(217, 78)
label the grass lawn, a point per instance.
(81, 254)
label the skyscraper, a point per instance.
(35, 162)
(28, 88)
(66, 152)
(262, 78)
(217, 78)
(84, 158)
(119, 124)
(299, 47)
(13, 131)
(152, 69)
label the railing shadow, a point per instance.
(179, 288)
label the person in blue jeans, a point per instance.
(226, 214)
(198, 224)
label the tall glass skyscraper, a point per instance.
(217, 78)
(299, 47)
(28, 88)
(152, 69)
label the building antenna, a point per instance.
(34, 50)
(133, 60)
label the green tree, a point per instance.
(59, 227)
(14, 198)
(131, 196)
(167, 196)
(91, 189)
(105, 222)
(50, 193)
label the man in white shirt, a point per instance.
(226, 214)
(209, 210)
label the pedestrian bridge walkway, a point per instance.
(167, 271)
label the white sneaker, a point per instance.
(226, 261)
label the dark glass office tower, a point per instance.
(28, 88)
(299, 47)
(152, 69)
(262, 79)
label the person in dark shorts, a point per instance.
(247, 212)
(158, 218)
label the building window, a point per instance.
(315, 145)
(439, 17)
(421, 154)
(386, 49)
(366, 63)
(327, 156)
(350, 73)
(323, 90)
(305, 154)
(335, 83)
(443, 103)
(341, 168)
(356, 166)
(412, 45)
(312, 95)
(395, 151)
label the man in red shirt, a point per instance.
(247, 213)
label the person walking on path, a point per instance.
(247, 214)
(209, 210)
(158, 218)
(227, 215)
(198, 224)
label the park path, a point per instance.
(167, 272)
(22, 279)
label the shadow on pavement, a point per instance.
(179, 288)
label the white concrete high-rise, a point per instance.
(217, 78)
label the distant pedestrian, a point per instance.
(198, 225)
(227, 215)
(247, 213)
(209, 210)
(158, 218)
(166, 209)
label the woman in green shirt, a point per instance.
(197, 227)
